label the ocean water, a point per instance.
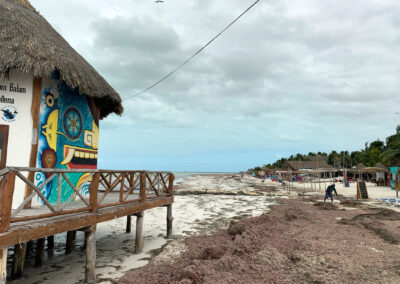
(180, 176)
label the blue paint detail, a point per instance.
(74, 117)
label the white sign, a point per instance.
(15, 111)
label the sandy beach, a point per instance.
(193, 215)
(204, 207)
(301, 240)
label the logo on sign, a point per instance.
(8, 113)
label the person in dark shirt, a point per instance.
(328, 192)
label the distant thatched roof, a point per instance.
(359, 166)
(29, 44)
(381, 166)
(308, 165)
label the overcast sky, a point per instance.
(290, 76)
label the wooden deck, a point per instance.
(25, 231)
(112, 194)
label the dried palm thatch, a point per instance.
(28, 43)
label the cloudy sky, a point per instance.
(290, 76)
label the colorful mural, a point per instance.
(68, 138)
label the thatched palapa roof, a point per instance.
(308, 165)
(28, 43)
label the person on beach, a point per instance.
(328, 192)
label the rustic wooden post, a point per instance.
(169, 221)
(128, 223)
(35, 112)
(6, 199)
(139, 233)
(142, 193)
(50, 245)
(93, 191)
(121, 190)
(18, 261)
(90, 268)
(29, 248)
(39, 252)
(70, 242)
(171, 183)
(3, 265)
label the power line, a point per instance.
(191, 57)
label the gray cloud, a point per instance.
(289, 76)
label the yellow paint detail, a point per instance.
(51, 130)
(91, 138)
(82, 179)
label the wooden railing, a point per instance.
(107, 188)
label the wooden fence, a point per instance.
(106, 189)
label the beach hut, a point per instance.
(51, 100)
(381, 172)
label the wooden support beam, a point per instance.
(50, 245)
(142, 193)
(128, 223)
(6, 199)
(93, 192)
(62, 224)
(139, 233)
(35, 112)
(3, 265)
(169, 221)
(18, 261)
(90, 268)
(29, 248)
(39, 252)
(70, 242)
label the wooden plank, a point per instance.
(49, 215)
(56, 225)
(90, 267)
(35, 113)
(118, 203)
(46, 170)
(6, 198)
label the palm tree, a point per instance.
(391, 157)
